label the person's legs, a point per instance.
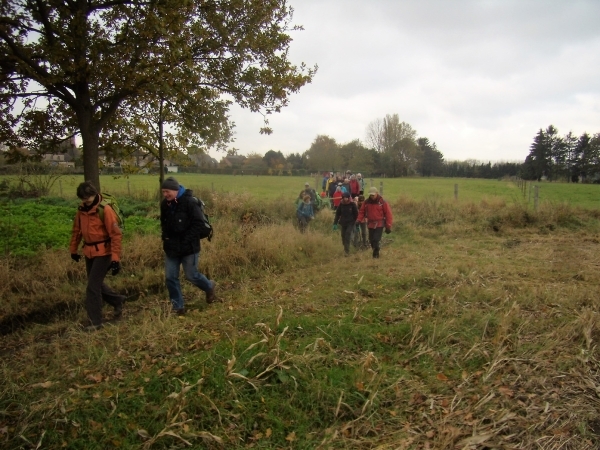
(301, 222)
(346, 237)
(375, 238)
(172, 279)
(363, 233)
(190, 269)
(96, 269)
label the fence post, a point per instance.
(456, 192)
(381, 188)
(535, 197)
(128, 189)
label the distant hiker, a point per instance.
(331, 190)
(361, 183)
(181, 221)
(378, 214)
(354, 186)
(310, 192)
(361, 228)
(304, 213)
(324, 181)
(346, 215)
(346, 186)
(102, 251)
(330, 181)
(337, 197)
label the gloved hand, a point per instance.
(75, 257)
(115, 266)
(335, 227)
(388, 230)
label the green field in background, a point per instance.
(442, 189)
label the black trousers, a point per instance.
(375, 239)
(96, 290)
(347, 234)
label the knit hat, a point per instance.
(373, 190)
(345, 195)
(171, 184)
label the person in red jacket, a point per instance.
(337, 197)
(354, 186)
(102, 251)
(378, 214)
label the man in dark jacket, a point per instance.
(180, 221)
(346, 215)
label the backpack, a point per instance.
(206, 229)
(111, 201)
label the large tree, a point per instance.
(383, 134)
(431, 159)
(357, 157)
(539, 161)
(70, 66)
(323, 155)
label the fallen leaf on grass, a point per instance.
(508, 392)
(268, 432)
(95, 425)
(291, 437)
(441, 377)
(45, 385)
(143, 433)
(96, 378)
(475, 440)
(348, 292)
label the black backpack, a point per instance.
(206, 229)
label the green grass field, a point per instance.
(271, 187)
(478, 328)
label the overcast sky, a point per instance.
(477, 77)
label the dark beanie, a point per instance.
(170, 184)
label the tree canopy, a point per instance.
(70, 67)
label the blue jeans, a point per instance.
(190, 269)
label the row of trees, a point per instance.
(567, 157)
(393, 150)
(418, 157)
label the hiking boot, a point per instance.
(118, 312)
(178, 311)
(375, 253)
(92, 328)
(132, 298)
(210, 294)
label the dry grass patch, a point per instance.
(469, 340)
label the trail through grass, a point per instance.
(477, 328)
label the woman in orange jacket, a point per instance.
(102, 251)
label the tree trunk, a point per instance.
(90, 138)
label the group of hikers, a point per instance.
(362, 221)
(96, 225)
